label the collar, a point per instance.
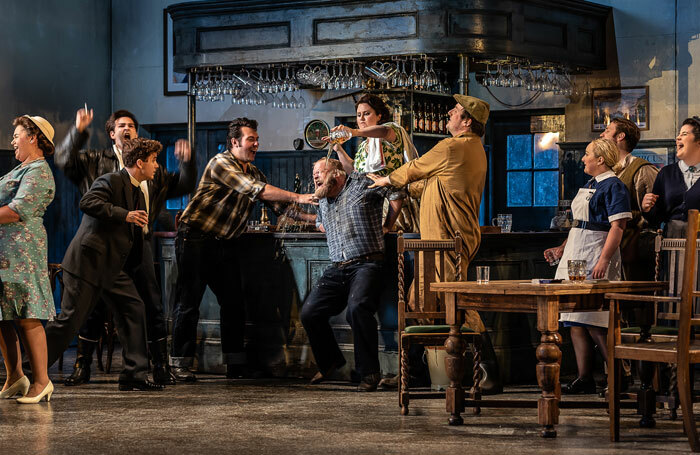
(116, 150)
(604, 175)
(133, 180)
(623, 163)
(238, 162)
(685, 168)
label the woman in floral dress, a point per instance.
(25, 192)
(387, 146)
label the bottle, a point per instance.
(340, 136)
(398, 113)
(415, 117)
(446, 116)
(421, 118)
(441, 120)
(435, 118)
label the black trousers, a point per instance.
(202, 261)
(80, 298)
(147, 286)
(356, 287)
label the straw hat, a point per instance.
(43, 125)
(478, 109)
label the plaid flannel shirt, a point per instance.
(225, 197)
(353, 219)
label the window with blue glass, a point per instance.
(171, 163)
(533, 170)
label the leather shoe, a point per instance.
(369, 383)
(320, 377)
(390, 383)
(81, 369)
(579, 386)
(146, 385)
(183, 374)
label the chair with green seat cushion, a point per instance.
(420, 315)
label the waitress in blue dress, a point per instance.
(601, 209)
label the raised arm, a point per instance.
(67, 155)
(184, 181)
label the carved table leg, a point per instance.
(455, 348)
(549, 359)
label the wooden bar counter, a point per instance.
(279, 269)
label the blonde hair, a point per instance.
(606, 149)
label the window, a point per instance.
(171, 164)
(533, 170)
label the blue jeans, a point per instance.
(357, 287)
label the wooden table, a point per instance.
(546, 300)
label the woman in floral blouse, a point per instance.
(25, 192)
(387, 146)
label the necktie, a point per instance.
(691, 169)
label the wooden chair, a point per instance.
(56, 278)
(427, 309)
(661, 324)
(683, 351)
(109, 333)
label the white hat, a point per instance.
(43, 125)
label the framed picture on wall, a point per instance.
(174, 83)
(629, 102)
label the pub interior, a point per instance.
(554, 77)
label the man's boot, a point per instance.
(161, 367)
(491, 381)
(81, 369)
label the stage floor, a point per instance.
(215, 415)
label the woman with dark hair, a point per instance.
(675, 190)
(386, 146)
(25, 192)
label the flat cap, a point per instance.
(478, 109)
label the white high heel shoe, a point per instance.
(19, 387)
(47, 392)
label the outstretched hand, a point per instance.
(307, 199)
(83, 119)
(378, 181)
(182, 150)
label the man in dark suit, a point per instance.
(82, 167)
(105, 258)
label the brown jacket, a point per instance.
(449, 179)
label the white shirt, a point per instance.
(689, 176)
(143, 185)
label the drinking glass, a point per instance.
(577, 270)
(504, 221)
(482, 274)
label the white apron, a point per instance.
(588, 245)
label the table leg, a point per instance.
(549, 359)
(455, 347)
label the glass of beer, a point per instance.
(577, 270)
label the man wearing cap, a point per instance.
(449, 179)
(83, 167)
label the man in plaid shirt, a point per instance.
(206, 247)
(351, 215)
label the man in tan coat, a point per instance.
(449, 179)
